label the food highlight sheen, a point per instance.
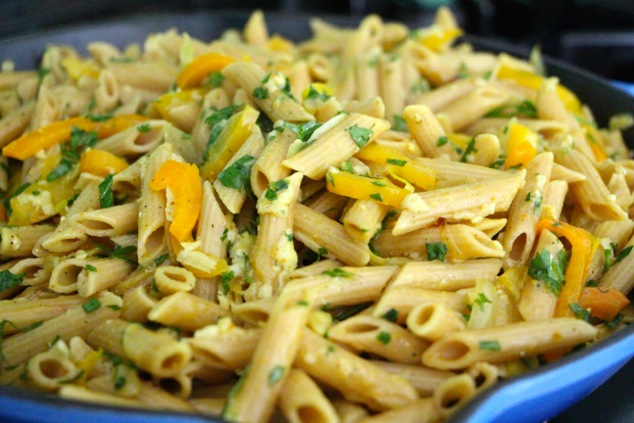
(375, 223)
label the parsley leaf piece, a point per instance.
(399, 123)
(261, 93)
(9, 280)
(106, 197)
(376, 196)
(237, 176)
(490, 346)
(215, 79)
(384, 338)
(90, 268)
(274, 188)
(337, 272)
(91, 305)
(304, 130)
(481, 301)
(161, 259)
(360, 136)
(276, 374)
(397, 162)
(220, 115)
(442, 141)
(612, 324)
(62, 169)
(436, 251)
(470, 149)
(119, 252)
(98, 118)
(144, 127)
(549, 269)
(579, 311)
(225, 281)
(316, 95)
(391, 315)
(623, 253)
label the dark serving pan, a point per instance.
(534, 397)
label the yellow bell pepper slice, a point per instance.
(401, 165)
(76, 68)
(584, 245)
(521, 146)
(183, 181)
(234, 134)
(57, 132)
(534, 81)
(365, 188)
(436, 39)
(197, 70)
(279, 43)
(101, 163)
(168, 101)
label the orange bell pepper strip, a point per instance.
(195, 71)
(584, 245)
(101, 163)
(57, 132)
(521, 146)
(183, 181)
(603, 303)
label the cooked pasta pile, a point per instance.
(372, 225)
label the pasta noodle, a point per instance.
(372, 225)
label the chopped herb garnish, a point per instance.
(73, 378)
(470, 149)
(237, 176)
(421, 86)
(274, 188)
(144, 127)
(106, 197)
(304, 130)
(9, 280)
(91, 305)
(42, 72)
(360, 136)
(321, 251)
(549, 269)
(481, 301)
(347, 166)
(161, 259)
(436, 251)
(337, 272)
(397, 162)
(220, 115)
(90, 268)
(119, 252)
(591, 283)
(399, 123)
(526, 109)
(35, 193)
(623, 253)
(302, 303)
(261, 93)
(215, 79)
(276, 374)
(376, 196)
(348, 312)
(225, 281)
(612, 324)
(579, 311)
(98, 118)
(316, 95)
(384, 338)
(71, 151)
(442, 141)
(391, 315)
(225, 234)
(378, 183)
(490, 346)
(114, 307)
(499, 162)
